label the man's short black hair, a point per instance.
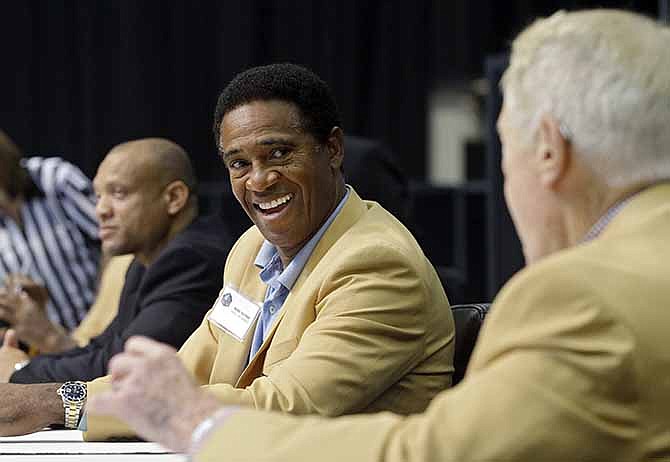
(286, 82)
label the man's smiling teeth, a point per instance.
(274, 203)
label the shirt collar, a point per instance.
(288, 276)
(605, 220)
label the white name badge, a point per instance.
(234, 313)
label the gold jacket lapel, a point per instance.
(236, 353)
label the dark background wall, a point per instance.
(79, 76)
(83, 76)
(466, 31)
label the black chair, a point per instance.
(370, 167)
(468, 319)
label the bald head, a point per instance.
(157, 159)
(146, 194)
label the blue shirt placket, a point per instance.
(280, 280)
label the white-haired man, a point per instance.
(573, 362)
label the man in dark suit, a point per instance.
(145, 206)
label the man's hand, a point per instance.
(22, 304)
(29, 408)
(154, 394)
(10, 355)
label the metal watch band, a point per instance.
(72, 412)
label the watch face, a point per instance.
(73, 391)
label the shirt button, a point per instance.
(272, 309)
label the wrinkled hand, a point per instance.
(29, 408)
(22, 304)
(154, 394)
(10, 355)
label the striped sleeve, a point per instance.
(75, 193)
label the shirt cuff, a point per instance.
(83, 422)
(205, 428)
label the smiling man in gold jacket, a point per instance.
(353, 317)
(329, 306)
(573, 362)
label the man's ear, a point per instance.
(176, 196)
(335, 147)
(553, 154)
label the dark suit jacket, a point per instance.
(165, 301)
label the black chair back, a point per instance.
(468, 319)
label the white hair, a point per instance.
(605, 76)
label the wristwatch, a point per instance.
(73, 395)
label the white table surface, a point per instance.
(68, 445)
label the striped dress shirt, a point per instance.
(57, 244)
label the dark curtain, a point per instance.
(465, 32)
(81, 76)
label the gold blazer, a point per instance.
(367, 327)
(573, 363)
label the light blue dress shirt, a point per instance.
(280, 280)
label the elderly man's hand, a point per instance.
(29, 408)
(10, 355)
(22, 304)
(154, 394)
